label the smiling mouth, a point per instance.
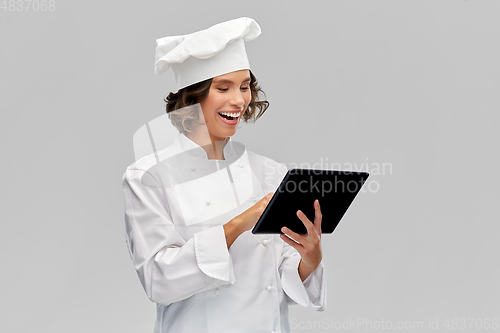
(231, 116)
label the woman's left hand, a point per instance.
(308, 245)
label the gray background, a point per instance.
(410, 83)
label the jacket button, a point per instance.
(269, 288)
(241, 165)
(216, 292)
(265, 242)
(254, 200)
(207, 201)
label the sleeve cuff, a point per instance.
(315, 285)
(212, 254)
(309, 293)
(292, 284)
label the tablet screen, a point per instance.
(335, 191)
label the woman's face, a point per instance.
(227, 99)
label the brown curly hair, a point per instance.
(197, 92)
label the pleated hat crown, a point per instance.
(208, 53)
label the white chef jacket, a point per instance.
(176, 240)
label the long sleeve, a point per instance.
(169, 267)
(309, 293)
(312, 291)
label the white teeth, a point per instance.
(231, 114)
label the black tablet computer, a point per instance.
(335, 191)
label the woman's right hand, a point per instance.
(246, 220)
(249, 217)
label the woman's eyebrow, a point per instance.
(228, 81)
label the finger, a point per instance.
(292, 243)
(318, 217)
(308, 224)
(266, 199)
(297, 237)
(269, 196)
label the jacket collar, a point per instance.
(184, 144)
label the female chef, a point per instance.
(189, 208)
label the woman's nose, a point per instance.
(237, 99)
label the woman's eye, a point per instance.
(223, 89)
(245, 88)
